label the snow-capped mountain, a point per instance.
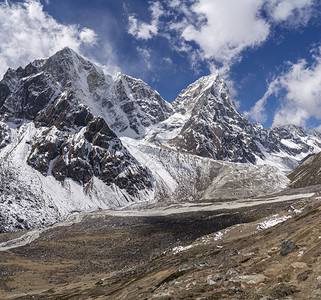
(75, 139)
(138, 107)
(206, 122)
(286, 146)
(50, 137)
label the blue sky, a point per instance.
(268, 51)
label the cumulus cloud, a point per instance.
(88, 36)
(230, 27)
(221, 30)
(302, 84)
(300, 87)
(27, 33)
(143, 30)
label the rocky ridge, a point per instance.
(104, 141)
(206, 123)
(46, 126)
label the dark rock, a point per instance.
(287, 247)
(4, 135)
(65, 113)
(45, 149)
(304, 275)
(282, 290)
(4, 93)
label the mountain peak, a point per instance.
(208, 91)
(68, 58)
(65, 52)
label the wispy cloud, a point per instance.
(258, 112)
(145, 55)
(144, 30)
(295, 12)
(27, 33)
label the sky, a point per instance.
(268, 51)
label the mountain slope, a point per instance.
(183, 177)
(206, 123)
(46, 127)
(307, 173)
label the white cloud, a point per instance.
(294, 11)
(143, 30)
(27, 33)
(230, 27)
(167, 60)
(302, 84)
(290, 115)
(221, 30)
(88, 36)
(108, 59)
(258, 112)
(300, 87)
(145, 54)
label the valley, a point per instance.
(126, 254)
(107, 191)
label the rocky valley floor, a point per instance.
(268, 248)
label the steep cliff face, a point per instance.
(213, 128)
(138, 106)
(46, 125)
(70, 142)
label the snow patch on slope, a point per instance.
(33, 200)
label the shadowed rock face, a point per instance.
(307, 173)
(214, 127)
(70, 141)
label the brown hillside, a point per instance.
(306, 174)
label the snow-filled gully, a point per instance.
(178, 208)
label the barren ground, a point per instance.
(106, 256)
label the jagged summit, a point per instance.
(206, 122)
(139, 106)
(213, 87)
